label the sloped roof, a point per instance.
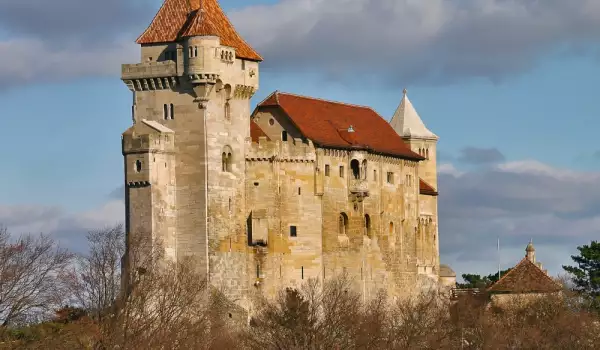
(256, 132)
(426, 189)
(525, 277)
(407, 122)
(180, 18)
(446, 271)
(327, 124)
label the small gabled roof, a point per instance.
(340, 125)
(407, 122)
(177, 19)
(525, 277)
(426, 189)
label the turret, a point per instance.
(408, 124)
(530, 252)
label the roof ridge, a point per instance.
(156, 15)
(545, 274)
(326, 100)
(235, 30)
(508, 273)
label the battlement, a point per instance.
(148, 137)
(148, 70)
(292, 151)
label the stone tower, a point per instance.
(408, 124)
(184, 154)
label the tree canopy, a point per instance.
(478, 281)
(586, 275)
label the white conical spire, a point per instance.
(407, 123)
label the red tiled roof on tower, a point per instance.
(180, 18)
(426, 189)
(336, 124)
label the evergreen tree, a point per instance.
(586, 276)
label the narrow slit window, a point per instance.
(341, 171)
(165, 111)
(171, 112)
(302, 272)
(284, 135)
(327, 170)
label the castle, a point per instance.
(299, 188)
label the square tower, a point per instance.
(191, 109)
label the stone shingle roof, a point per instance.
(525, 277)
(327, 124)
(177, 19)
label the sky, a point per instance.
(510, 86)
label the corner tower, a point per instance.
(191, 90)
(408, 124)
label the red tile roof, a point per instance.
(326, 123)
(256, 132)
(426, 189)
(525, 277)
(180, 18)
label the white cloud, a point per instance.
(516, 201)
(69, 229)
(31, 60)
(407, 41)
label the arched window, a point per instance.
(195, 51)
(343, 224)
(355, 166)
(364, 169)
(171, 111)
(165, 111)
(226, 159)
(368, 225)
(190, 51)
(284, 135)
(227, 111)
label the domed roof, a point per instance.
(530, 247)
(446, 271)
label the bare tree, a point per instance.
(95, 280)
(30, 270)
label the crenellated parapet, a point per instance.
(283, 151)
(150, 75)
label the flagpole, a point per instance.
(498, 257)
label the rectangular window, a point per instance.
(326, 169)
(390, 177)
(293, 231)
(341, 171)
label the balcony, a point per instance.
(148, 70)
(359, 188)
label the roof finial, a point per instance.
(404, 91)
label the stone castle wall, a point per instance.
(260, 216)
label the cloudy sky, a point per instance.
(509, 85)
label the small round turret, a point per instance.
(530, 252)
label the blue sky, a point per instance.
(509, 86)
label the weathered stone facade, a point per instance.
(262, 212)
